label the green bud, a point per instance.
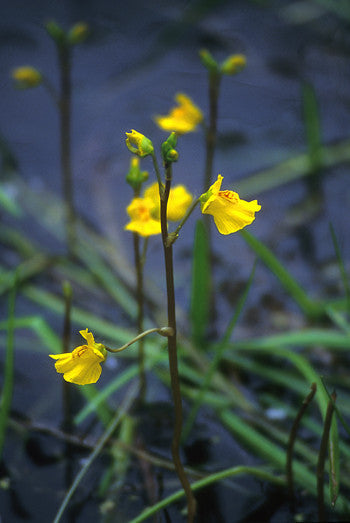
(56, 32)
(78, 33)
(135, 177)
(172, 140)
(208, 61)
(169, 152)
(67, 290)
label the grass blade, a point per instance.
(216, 360)
(312, 126)
(293, 288)
(201, 283)
(7, 392)
(129, 398)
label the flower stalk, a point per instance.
(211, 131)
(172, 350)
(64, 59)
(163, 331)
(140, 314)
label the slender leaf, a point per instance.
(7, 392)
(293, 288)
(201, 285)
(312, 126)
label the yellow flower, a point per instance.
(179, 201)
(230, 212)
(82, 365)
(142, 219)
(181, 119)
(234, 64)
(26, 77)
(139, 144)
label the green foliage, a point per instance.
(201, 284)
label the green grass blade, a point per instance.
(218, 354)
(9, 205)
(80, 317)
(293, 288)
(7, 391)
(344, 276)
(201, 285)
(256, 472)
(312, 126)
(129, 398)
(291, 169)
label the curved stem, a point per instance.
(159, 178)
(172, 351)
(174, 235)
(163, 331)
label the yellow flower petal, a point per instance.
(83, 365)
(88, 336)
(183, 118)
(142, 220)
(179, 201)
(138, 143)
(230, 213)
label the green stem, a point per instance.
(291, 441)
(174, 235)
(163, 331)
(140, 313)
(67, 424)
(158, 175)
(172, 351)
(64, 58)
(211, 134)
(322, 458)
(67, 408)
(211, 139)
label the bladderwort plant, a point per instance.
(149, 215)
(28, 77)
(186, 116)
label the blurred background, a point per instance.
(137, 57)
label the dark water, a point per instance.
(138, 56)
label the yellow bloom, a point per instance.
(230, 212)
(142, 221)
(82, 365)
(26, 77)
(139, 144)
(179, 201)
(181, 119)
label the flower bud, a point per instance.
(26, 77)
(169, 152)
(208, 61)
(233, 64)
(139, 144)
(56, 32)
(135, 177)
(78, 33)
